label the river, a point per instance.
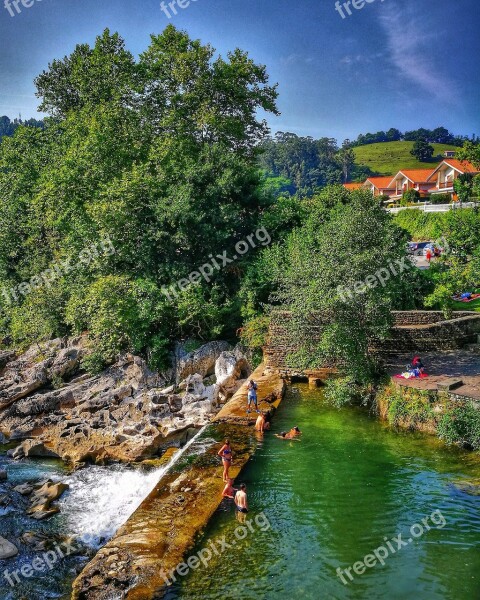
(348, 487)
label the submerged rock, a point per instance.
(3, 475)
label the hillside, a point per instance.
(387, 158)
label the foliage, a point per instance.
(158, 153)
(307, 163)
(420, 225)
(470, 152)
(410, 196)
(422, 150)
(254, 332)
(461, 425)
(343, 391)
(345, 238)
(440, 199)
(409, 407)
(463, 186)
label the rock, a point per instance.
(3, 475)
(127, 413)
(42, 500)
(37, 541)
(229, 368)
(37, 449)
(5, 500)
(201, 361)
(25, 489)
(7, 549)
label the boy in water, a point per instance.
(241, 502)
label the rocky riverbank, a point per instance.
(127, 413)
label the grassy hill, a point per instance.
(387, 158)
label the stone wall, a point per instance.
(413, 331)
(423, 317)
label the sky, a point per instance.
(390, 63)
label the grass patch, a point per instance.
(387, 158)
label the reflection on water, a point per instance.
(333, 498)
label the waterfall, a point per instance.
(101, 499)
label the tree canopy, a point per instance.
(158, 155)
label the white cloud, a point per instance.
(411, 39)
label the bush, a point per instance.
(461, 425)
(344, 391)
(410, 407)
(440, 199)
(409, 197)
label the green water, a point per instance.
(333, 498)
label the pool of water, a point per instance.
(348, 487)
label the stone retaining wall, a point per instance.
(413, 331)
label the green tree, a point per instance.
(319, 274)
(422, 150)
(160, 154)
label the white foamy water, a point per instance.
(101, 499)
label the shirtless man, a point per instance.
(229, 490)
(241, 499)
(260, 424)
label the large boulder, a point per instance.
(201, 361)
(231, 369)
(42, 500)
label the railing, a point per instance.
(432, 207)
(445, 184)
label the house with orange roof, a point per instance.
(352, 186)
(412, 179)
(443, 177)
(379, 186)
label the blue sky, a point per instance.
(393, 63)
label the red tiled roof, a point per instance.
(352, 186)
(380, 182)
(417, 175)
(461, 165)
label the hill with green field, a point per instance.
(387, 158)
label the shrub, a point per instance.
(440, 199)
(344, 390)
(410, 407)
(410, 196)
(461, 425)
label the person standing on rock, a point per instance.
(225, 453)
(252, 395)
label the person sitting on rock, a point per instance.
(229, 490)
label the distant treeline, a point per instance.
(7, 127)
(440, 135)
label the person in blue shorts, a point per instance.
(252, 395)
